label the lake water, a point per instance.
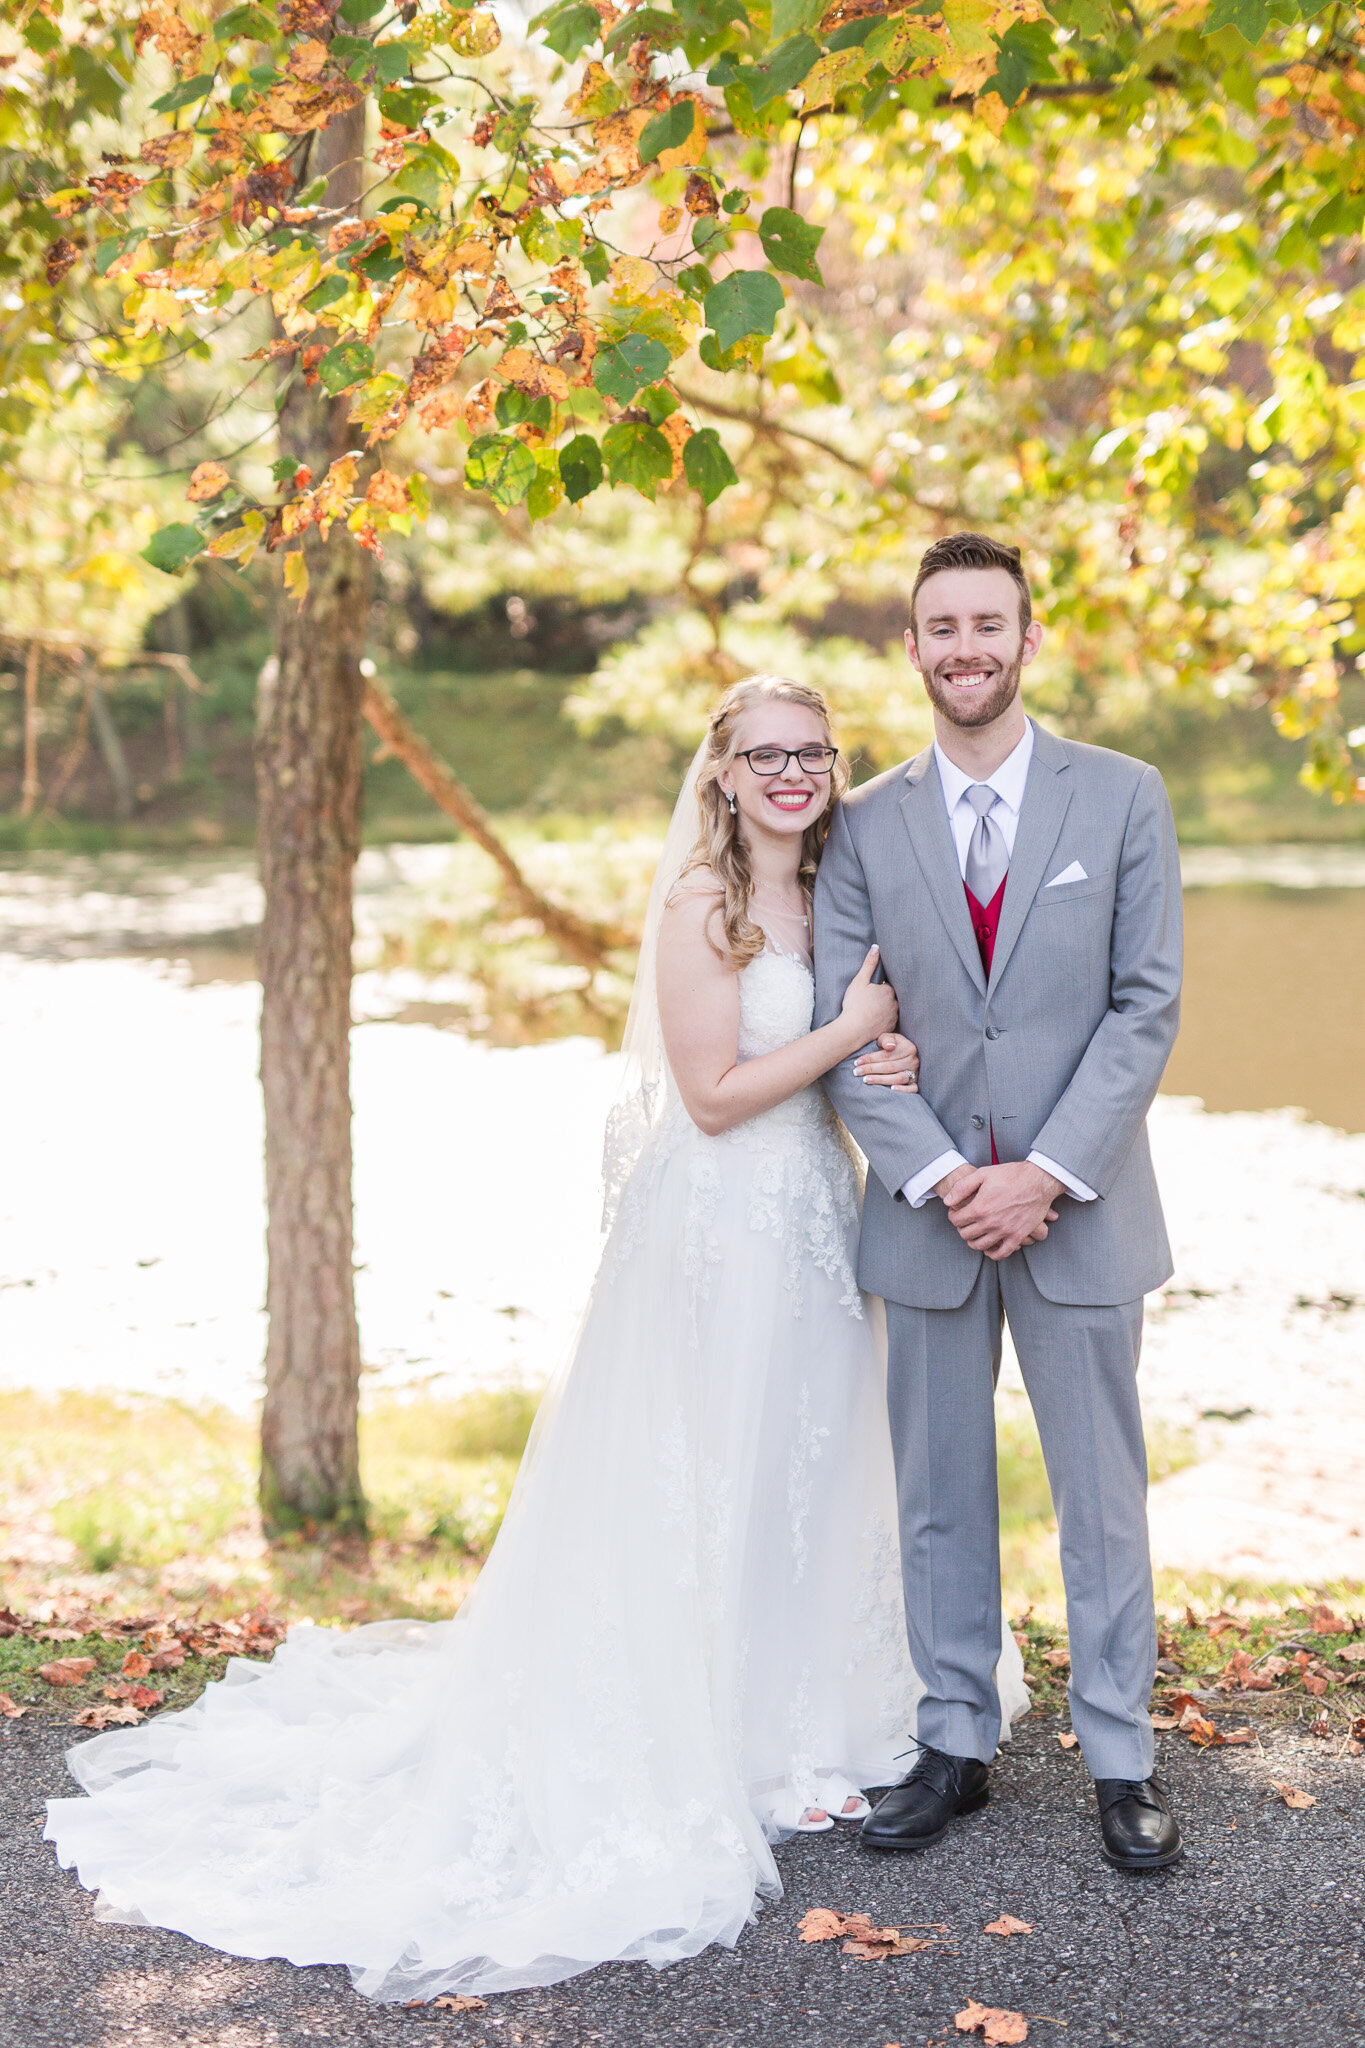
(1274, 1012)
(132, 1206)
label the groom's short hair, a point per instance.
(974, 551)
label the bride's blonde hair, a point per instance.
(719, 845)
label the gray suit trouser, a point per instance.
(1080, 1369)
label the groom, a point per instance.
(1025, 893)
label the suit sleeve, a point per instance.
(1093, 1126)
(898, 1132)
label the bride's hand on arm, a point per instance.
(699, 1016)
(892, 1063)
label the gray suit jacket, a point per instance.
(1061, 1053)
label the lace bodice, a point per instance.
(776, 1002)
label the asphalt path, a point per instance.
(1254, 1938)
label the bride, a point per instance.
(688, 1640)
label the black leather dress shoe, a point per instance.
(918, 1812)
(1138, 1831)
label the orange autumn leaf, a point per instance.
(460, 2002)
(996, 2026)
(67, 1670)
(387, 491)
(207, 479)
(1068, 1740)
(10, 1708)
(820, 1924)
(1008, 1925)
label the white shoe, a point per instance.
(785, 1811)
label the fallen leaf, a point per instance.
(1008, 1925)
(1326, 1623)
(1314, 1683)
(1202, 1733)
(1061, 1658)
(1354, 1653)
(820, 1924)
(461, 2004)
(996, 2026)
(1322, 1728)
(1231, 1737)
(1165, 1722)
(1276, 1667)
(1292, 1796)
(168, 1660)
(10, 1708)
(59, 1635)
(67, 1670)
(1068, 1740)
(123, 1716)
(135, 1665)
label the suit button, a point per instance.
(978, 1123)
(991, 1031)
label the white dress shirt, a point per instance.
(1008, 783)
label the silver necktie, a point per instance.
(987, 855)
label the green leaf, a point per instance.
(105, 252)
(706, 465)
(1024, 58)
(405, 105)
(327, 293)
(502, 466)
(392, 61)
(356, 11)
(637, 455)
(516, 408)
(42, 35)
(345, 365)
(790, 243)
(185, 94)
(665, 31)
(420, 178)
(596, 262)
(659, 403)
(1251, 18)
(546, 494)
(252, 23)
(745, 302)
(795, 17)
(784, 70)
(172, 548)
(668, 130)
(619, 371)
(580, 466)
(571, 30)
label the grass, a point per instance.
(124, 1515)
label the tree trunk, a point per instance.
(32, 789)
(111, 747)
(308, 774)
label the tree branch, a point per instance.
(582, 940)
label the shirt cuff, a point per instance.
(918, 1190)
(1069, 1181)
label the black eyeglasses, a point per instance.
(772, 760)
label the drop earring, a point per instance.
(733, 806)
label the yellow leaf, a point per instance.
(296, 575)
(632, 277)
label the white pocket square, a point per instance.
(1075, 873)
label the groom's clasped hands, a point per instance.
(996, 1209)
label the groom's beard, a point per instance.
(986, 709)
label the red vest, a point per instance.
(986, 923)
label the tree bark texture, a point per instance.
(308, 773)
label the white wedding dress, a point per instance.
(695, 1599)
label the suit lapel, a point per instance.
(1047, 793)
(926, 820)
